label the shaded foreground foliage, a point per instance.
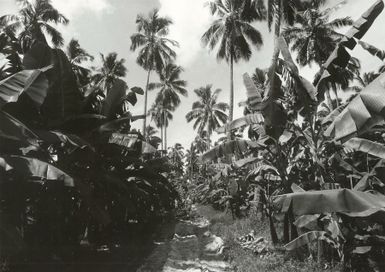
(73, 176)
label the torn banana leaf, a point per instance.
(365, 111)
(240, 147)
(254, 118)
(350, 202)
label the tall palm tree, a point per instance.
(155, 48)
(34, 19)
(170, 85)
(76, 56)
(111, 69)
(207, 112)
(233, 31)
(161, 114)
(314, 36)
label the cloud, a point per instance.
(72, 8)
(190, 20)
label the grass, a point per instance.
(224, 226)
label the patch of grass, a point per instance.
(223, 225)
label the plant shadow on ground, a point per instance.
(229, 229)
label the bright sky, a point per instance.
(106, 25)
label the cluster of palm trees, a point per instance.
(304, 24)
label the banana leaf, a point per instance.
(350, 202)
(254, 118)
(63, 96)
(10, 126)
(118, 124)
(254, 97)
(373, 50)
(228, 148)
(340, 57)
(363, 183)
(30, 167)
(114, 98)
(31, 82)
(365, 111)
(242, 162)
(131, 141)
(366, 146)
(308, 238)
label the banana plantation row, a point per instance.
(74, 174)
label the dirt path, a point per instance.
(193, 249)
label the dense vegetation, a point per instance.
(74, 175)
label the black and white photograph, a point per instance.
(192, 135)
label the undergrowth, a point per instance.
(229, 229)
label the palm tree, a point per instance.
(76, 56)
(111, 69)
(314, 36)
(233, 31)
(170, 85)
(161, 114)
(207, 112)
(155, 48)
(33, 20)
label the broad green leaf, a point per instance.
(254, 118)
(114, 98)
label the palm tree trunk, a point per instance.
(165, 131)
(145, 103)
(277, 33)
(231, 88)
(161, 135)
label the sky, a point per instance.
(104, 26)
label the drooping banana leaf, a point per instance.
(373, 50)
(240, 147)
(366, 110)
(254, 97)
(114, 98)
(10, 126)
(262, 167)
(305, 90)
(242, 162)
(137, 90)
(254, 118)
(366, 146)
(340, 57)
(63, 96)
(350, 202)
(31, 82)
(83, 123)
(30, 167)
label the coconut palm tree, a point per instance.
(111, 69)
(233, 31)
(161, 114)
(314, 36)
(34, 20)
(170, 85)
(155, 48)
(207, 112)
(76, 56)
